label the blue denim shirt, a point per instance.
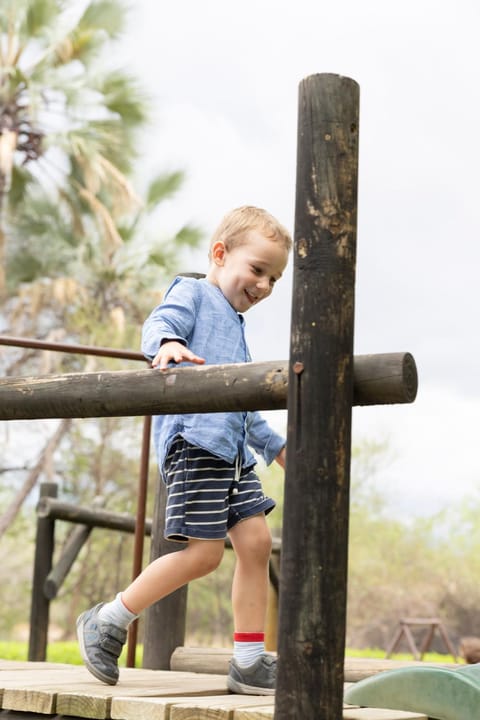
(196, 313)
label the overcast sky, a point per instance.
(224, 77)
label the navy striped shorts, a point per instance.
(206, 495)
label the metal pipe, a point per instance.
(72, 348)
(139, 531)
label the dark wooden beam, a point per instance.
(42, 564)
(378, 380)
(313, 577)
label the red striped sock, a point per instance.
(247, 647)
(249, 637)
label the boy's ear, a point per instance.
(218, 252)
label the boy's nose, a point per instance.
(263, 284)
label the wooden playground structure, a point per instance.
(319, 385)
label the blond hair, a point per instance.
(236, 224)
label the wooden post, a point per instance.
(320, 397)
(165, 620)
(40, 608)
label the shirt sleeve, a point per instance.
(173, 319)
(262, 438)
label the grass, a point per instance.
(68, 652)
(57, 652)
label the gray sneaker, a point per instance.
(100, 645)
(257, 679)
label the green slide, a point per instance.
(440, 693)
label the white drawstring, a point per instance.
(238, 470)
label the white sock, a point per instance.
(116, 613)
(245, 653)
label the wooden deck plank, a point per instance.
(258, 712)
(37, 701)
(94, 699)
(154, 708)
(219, 709)
(70, 691)
(254, 713)
(35, 690)
(180, 708)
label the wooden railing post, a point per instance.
(313, 576)
(40, 608)
(165, 620)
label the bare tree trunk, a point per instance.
(9, 516)
(3, 241)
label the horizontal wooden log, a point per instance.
(90, 517)
(48, 507)
(216, 661)
(378, 380)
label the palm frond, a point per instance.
(189, 236)
(96, 137)
(40, 231)
(105, 15)
(21, 177)
(163, 187)
(104, 217)
(123, 96)
(81, 45)
(40, 16)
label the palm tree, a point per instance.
(66, 128)
(76, 254)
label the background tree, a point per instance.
(78, 258)
(66, 127)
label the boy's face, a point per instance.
(247, 273)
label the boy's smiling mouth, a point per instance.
(251, 298)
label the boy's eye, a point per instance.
(256, 270)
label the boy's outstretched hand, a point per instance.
(174, 351)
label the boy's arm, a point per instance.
(264, 440)
(173, 320)
(282, 457)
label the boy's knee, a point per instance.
(265, 542)
(207, 556)
(211, 561)
(256, 544)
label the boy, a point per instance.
(204, 459)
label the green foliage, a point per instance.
(424, 567)
(105, 15)
(66, 652)
(164, 186)
(39, 15)
(69, 653)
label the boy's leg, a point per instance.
(252, 543)
(102, 630)
(171, 571)
(252, 671)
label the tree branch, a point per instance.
(9, 516)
